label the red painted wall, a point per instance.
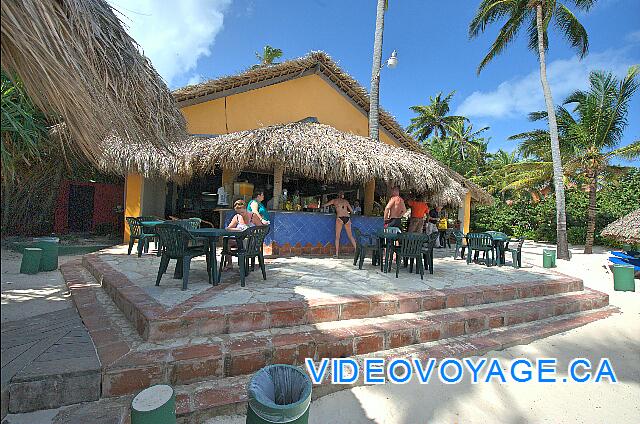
(105, 200)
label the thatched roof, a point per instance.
(306, 149)
(78, 63)
(321, 64)
(315, 62)
(625, 229)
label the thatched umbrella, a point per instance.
(78, 63)
(625, 229)
(311, 150)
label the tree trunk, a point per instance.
(591, 215)
(561, 218)
(375, 73)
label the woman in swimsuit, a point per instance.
(343, 219)
(240, 222)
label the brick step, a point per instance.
(192, 360)
(201, 401)
(154, 322)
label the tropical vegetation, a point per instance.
(590, 131)
(537, 15)
(36, 157)
(268, 56)
(591, 124)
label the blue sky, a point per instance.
(195, 40)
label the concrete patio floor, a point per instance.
(304, 278)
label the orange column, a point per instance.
(467, 212)
(132, 199)
(369, 194)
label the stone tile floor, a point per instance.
(303, 278)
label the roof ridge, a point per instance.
(327, 65)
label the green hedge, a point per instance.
(537, 221)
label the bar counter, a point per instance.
(309, 233)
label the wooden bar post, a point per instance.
(369, 194)
(228, 178)
(278, 173)
(133, 185)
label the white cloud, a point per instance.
(173, 35)
(521, 95)
(633, 37)
(195, 79)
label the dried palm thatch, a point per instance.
(625, 229)
(78, 64)
(317, 61)
(306, 149)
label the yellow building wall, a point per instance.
(132, 200)
(281, 103)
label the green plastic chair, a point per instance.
(365, 243)
(480, 242)
(515, 247)
(386, 248)
(136, 232)
(410, 247)
(427, 251)
(460, 246)
(249, 246)
(175, 245)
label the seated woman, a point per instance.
(240, 222)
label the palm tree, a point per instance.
(589, 139)
(447, 151)
(601, 116)
(268, 56)
(466, 136)
(538, 15)
(433, 118)
(374, 101)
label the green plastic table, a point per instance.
(212, 235)
(151, 224)
(499, 239)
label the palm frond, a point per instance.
(630, 152)
(567, 22)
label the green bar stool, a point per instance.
(548, 258)
(31, 257)
(623, 278)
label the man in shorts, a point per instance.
(394, 210)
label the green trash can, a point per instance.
(548, 258)
(623, 278)
(49, 246)
(31, 257)
(279, 394)
(154, 405)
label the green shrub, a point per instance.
(538, 220)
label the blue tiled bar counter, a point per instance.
(309, 233)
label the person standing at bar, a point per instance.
(394, 210)
(343, 219)
(442, 226)
(418, 211)
(257, 207)
(432, 225)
